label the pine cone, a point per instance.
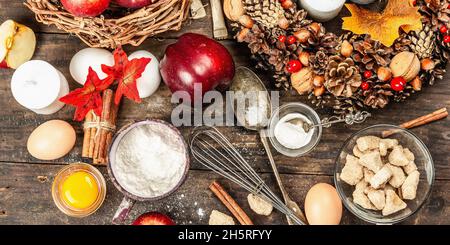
(297, 20)
(344, 106)
(437, 73)
(423, 42)
(436, 12)
(378, 95)
(319, 62)
(342, 77)
(265, 12)
(370, 54)
(402, 44)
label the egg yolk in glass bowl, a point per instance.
(80, 190)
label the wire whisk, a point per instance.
(213, 150)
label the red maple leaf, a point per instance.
(125, 72)
(88, 97)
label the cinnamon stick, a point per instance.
(87, 136)
(101, 137)
(434, 116)
(230, 203)
(92, 138)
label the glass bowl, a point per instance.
(423, 161)
(57, 190)
(308, 112)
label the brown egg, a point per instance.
(323, 205)
(51, 140)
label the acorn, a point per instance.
(384, 74)
(318, 91)
(346, 48)
(246, 21)
(283, 23)
(287, 4)
(427, 64)
(302, 35)
(242, 34)
(315, 27)
(318, 81)
(304, 58)
(416, 84)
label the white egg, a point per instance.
(90, 57)
(149, 82)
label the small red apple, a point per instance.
(153, 218)
(85, 8)
(196, 59)
(134, 4)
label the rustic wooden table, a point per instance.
(25, 196)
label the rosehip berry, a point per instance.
(414, 3)
(398, 84)
(281, 1)
(446, 39)
(443, 29)
(365, 85)
(368, 74)
(294, 66)
(282, 38)
(291, 40)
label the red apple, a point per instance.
(17, 44)
(85, 8)
(134, 4)
(196, 59)
(153, 218)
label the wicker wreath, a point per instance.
(106, 31)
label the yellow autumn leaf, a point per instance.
(384, 26)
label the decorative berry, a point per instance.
(281, 1)
(291, 40)
(282, 38)
(294, 66)
(365, 85)
(414, 3)
(443, 29)
(447, 39)
(368, 74)
(398, 84)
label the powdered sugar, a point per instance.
(150, 160)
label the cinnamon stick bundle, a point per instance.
(230, 203)
(99, 131)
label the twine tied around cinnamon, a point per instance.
(96, 123)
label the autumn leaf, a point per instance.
(384, 26)
(125, 73)
(88, 97)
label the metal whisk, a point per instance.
(212, 149)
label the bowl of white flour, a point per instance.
(148, 160)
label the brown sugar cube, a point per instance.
(352, 172)
(393, 203)
(409, 187)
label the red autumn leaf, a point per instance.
(88, 97)
(126, 73)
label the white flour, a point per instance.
(256, 114)
(292, 136)
(150, 161)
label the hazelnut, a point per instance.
(427, 64)
(283, 23)
(346, 48)
(384, 74)
(302, 35)
(302, 81)
(318, 81)
(287, 4)
(416, 84)
(406, 65)
(233, 9)
(246, 21)
(242, 34)
(304, 58)
(315, 27)
(318, 91)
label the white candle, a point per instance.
(322, 10)
(37, 85)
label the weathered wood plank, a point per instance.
(26, 199)
(16, 123)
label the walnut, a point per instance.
(233, 9)
(302, 81)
